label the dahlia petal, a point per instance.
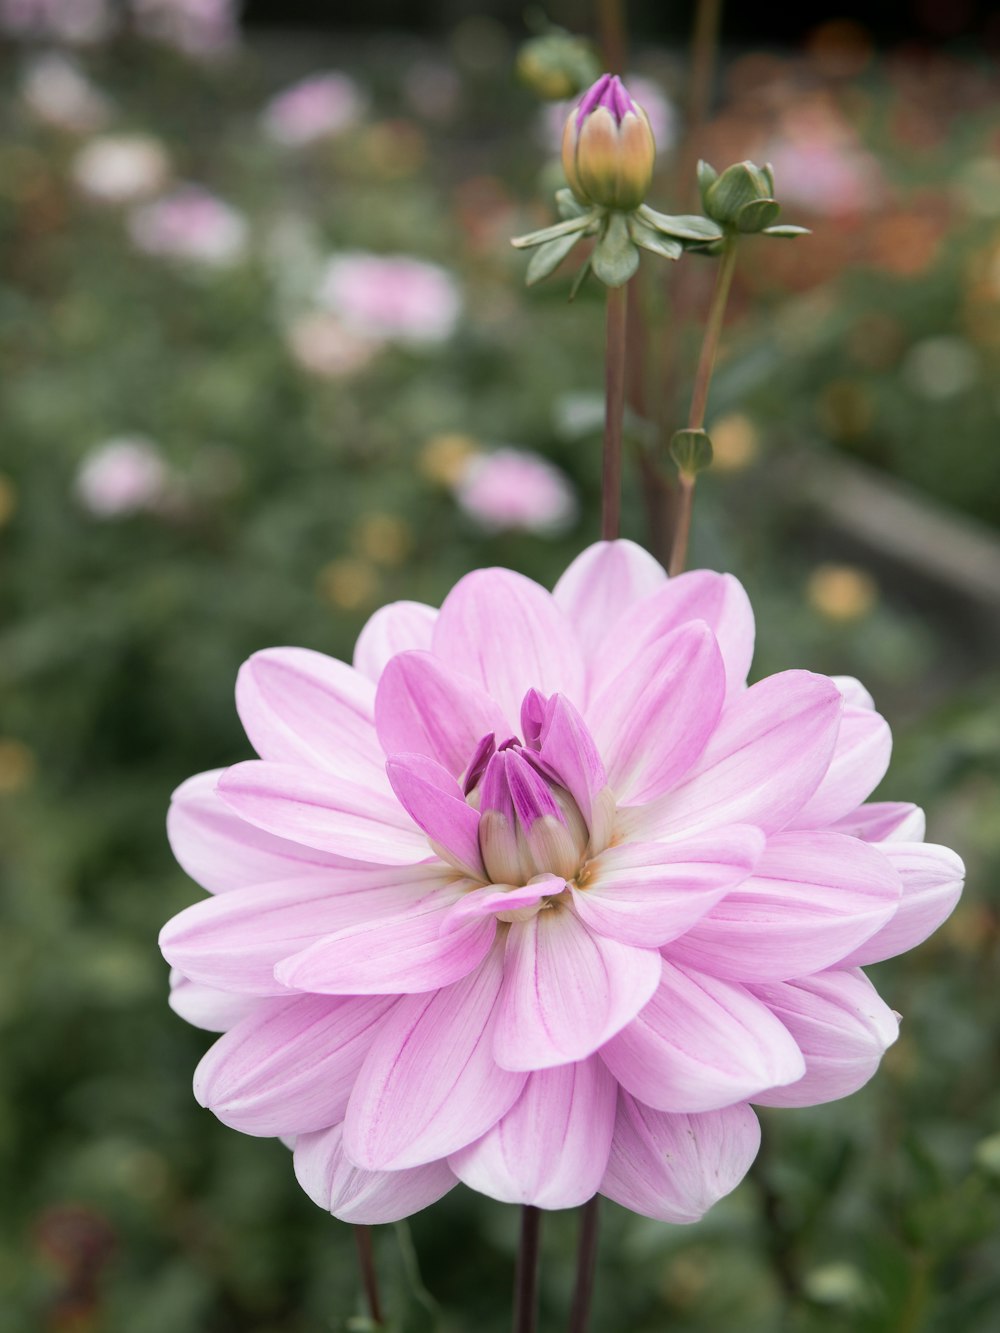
(716, 599)
(400, 955)
(882, 821)
(551, 1148)
(506, 633)
(675, 1167)
(322, 811)
(860, 759)
(702, 1043)
(567, 750)
(652, 722)
(302, 707)
(396, 628)
(220, 851)
(767, 756)
(235, 940)
(600, 586)
(434, 800)
(290, 1068)
(207, 1008)
(422, 706)
(647, 894)
(493, 898)
(566, 991)
(364, 1198)
(813, 898)
(854, 693)
(840, 1025)
(429, 1084)
(932, 884)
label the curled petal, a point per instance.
(884, 821)
(207, 1008)
(434, 800)
(365, 1198)
(396, 628)
(860, 759)
(932, 878)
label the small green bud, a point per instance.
(739, 185)
(691, 450)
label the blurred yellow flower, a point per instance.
(348, 584)
(444, 458)
(735, 442)
(18, 766)
(384, 539)
(8, 500)
(841, 592)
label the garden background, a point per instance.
(204, 450)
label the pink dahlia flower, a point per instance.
(515, 489)
(539, 896)
(192, 225)
(316, 107)
(391, 296)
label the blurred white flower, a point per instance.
(120, 168)
(661, 112)
(314, 108)
(391, 296)
(323, 346)
(122, 476)
(516, 489)
(63, 20)
(940, 368)
(56, 91)
(190, 224)
(203, 29)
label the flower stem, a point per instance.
(614, 411)
(586, 1264)
(366, 1263)
(611, 34)
(699, 396)
(526, 1275)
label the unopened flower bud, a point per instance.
(608, 148)
(742, 197)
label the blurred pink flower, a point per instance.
(57, 92)
(539, 896)
(391, 296)
(512, 488)
(657, 106)
(323, 346)
(120, 168)
(200, 28)
(819, 165)
(122, 476)
(63, 20)
(314, 108)
(190, 224)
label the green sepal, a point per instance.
(707, 176)
(533, 238)
(767, 171)
(691, 450)
(786, 229)
(568, 206)
(580, 278)
(757, 215)
(652, 240)
(685, 227)
(548, 257)
(615, 258)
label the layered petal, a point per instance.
(860, 759)
(648, 894)
(396, 628)
(840, 1025)
(652, 722)
(429, 1084)
(675, 1167)
(322, 811)
(884, 821)
(364, 1198)
(508, 635)
(601, 584)
(207, 1008)
(702, 1043)
(932, 877)
(813, 898)
(566, 991)
(289, 1068)
(551, 1148)
(434, 800)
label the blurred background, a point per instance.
(267, 362)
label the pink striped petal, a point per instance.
(566, 750)
(860, 759)
(883, 821)
(813, 898)
(430, 1085)
(207, 1008)
(364, 1198)
(840, 1025)
(402, 955)
(566, 991)
(600, 586)
(551, 1148)
(647, 894)
(234, 941)
(434, 800)
(397, 628)
(508, 635)
(220, 851)
(290, 1068)
(425, 707)
(718, 600)
(302, 707)
(652, 722)
(768, 755)
(492, 899)
(932, 885)
(702, 1043)
(675, 1167)
(322, 811)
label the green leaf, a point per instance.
(686, 226)
(691, 450)
(568, 206)
(654, 241)
(615, 258)
(757, 215)
(533, 238)
(786, 229)
(548, 257)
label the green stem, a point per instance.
(586, 1264)
(614, 412)
(526, 1275)
(366, 1263)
